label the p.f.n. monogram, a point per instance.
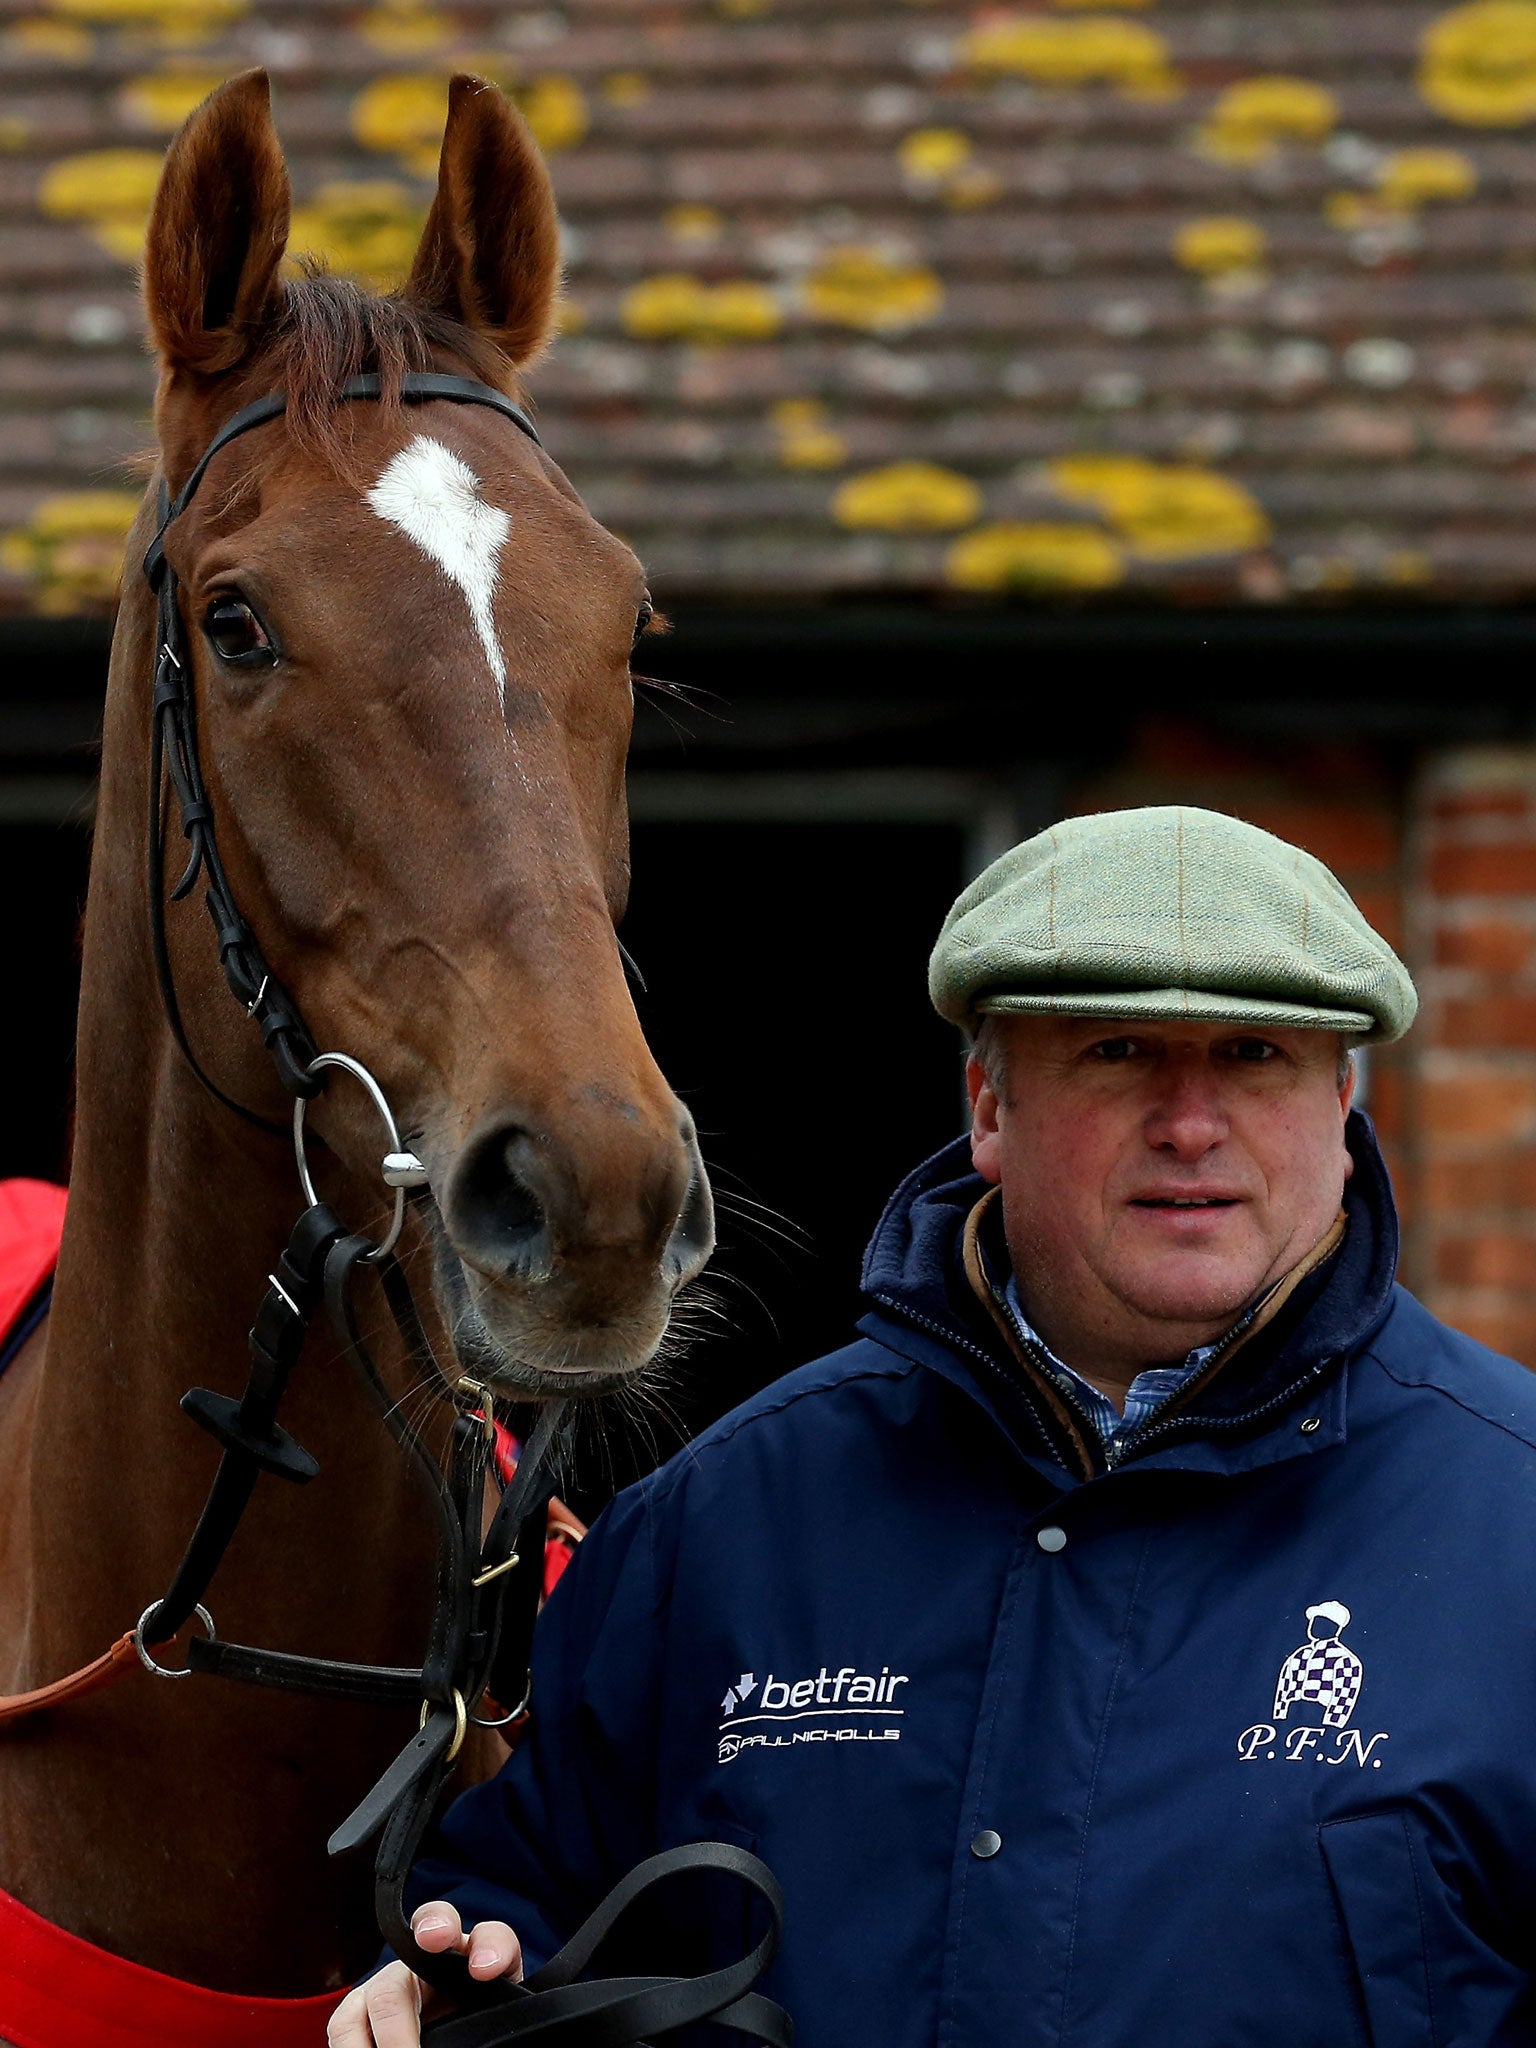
(1319, 1684)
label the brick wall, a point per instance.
(1470, 1072)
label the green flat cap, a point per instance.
(1167, 912)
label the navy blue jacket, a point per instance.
(1231, 1747)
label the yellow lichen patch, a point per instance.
(366, 228)
(938, 160)
(555, 109)
(163, 99)
(1033, 556)
(1126, 54)
(71, 550)
(929, 156)
(66, 41)
(1220, 244)
(1348, 211)
(806, 441)
(862, 287)
(1252, 118)
(403, 117)
(626, 88)
(404, 28)
(1411, 178)
(109, 190)
(1327, 573)
(907, 497)
(1101, 479)
(175, 22)
(677, 307)
(1477, 64)
(1407, 566)
(698, 226)
(1165, 512)
(973, 186)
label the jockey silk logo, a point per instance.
(845, 1705)
(1318, 1689)
(1322, 1669)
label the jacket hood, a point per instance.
(914, 1272)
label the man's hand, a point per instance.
(385, 2011)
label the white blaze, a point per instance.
(434, 499)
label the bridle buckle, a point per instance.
(476, 1403)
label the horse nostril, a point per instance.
(693, 1234)
(523, 1205)
(494, 1208)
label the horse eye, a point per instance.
(643, 618)
(236, 635)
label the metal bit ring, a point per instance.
(160, 1670)
(502, 1720)
(400, 1169)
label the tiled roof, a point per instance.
(1226, 300)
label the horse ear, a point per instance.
(490, 252)
(218, 230)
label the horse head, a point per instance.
(411, 648)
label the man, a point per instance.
(1130, 1641)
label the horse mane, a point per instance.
(330, 328)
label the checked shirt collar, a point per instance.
(1148, 1391)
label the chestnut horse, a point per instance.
(411, 651)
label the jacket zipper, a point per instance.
(1186, 1423)
(1116, 1452)
(1207, 1423)
(1091, 1431)
(1009, 1381)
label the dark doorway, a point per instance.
(40, 908)
(787, 1004)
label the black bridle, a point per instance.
(174, 746)
(487, 1589)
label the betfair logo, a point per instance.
(846, 1705)
(826, 1690)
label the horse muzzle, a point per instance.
(562, 1278)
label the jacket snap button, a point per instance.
(1051, 1538)
(986, 1844)
(1310, 1423)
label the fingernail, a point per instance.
(432, 1923)
(483, 1958)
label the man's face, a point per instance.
(1157, 1177)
